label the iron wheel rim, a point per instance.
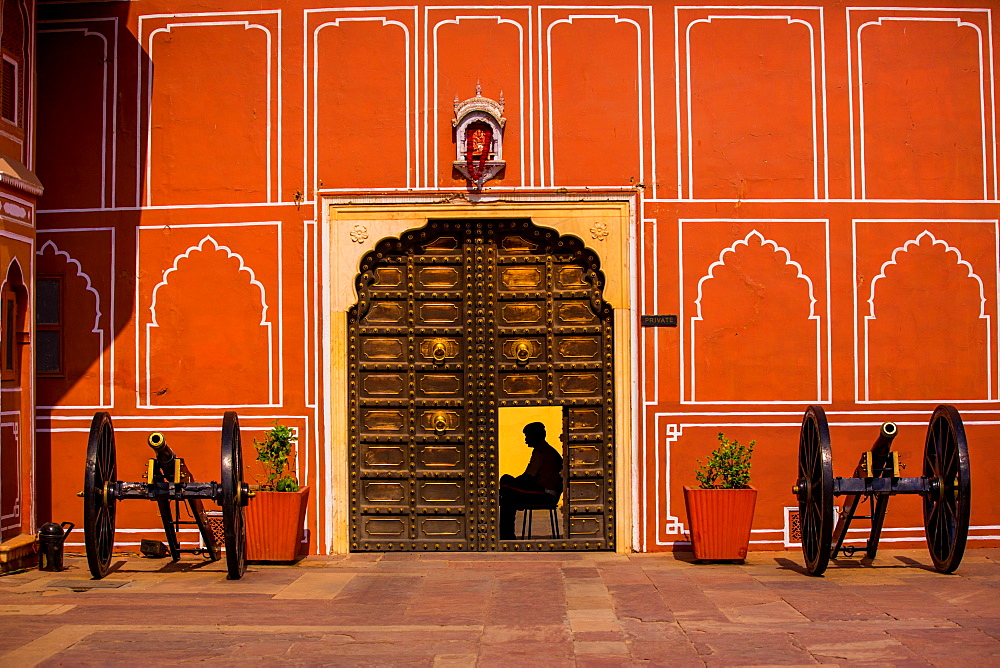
(946, 506)
(234, 497)
(815, 490)
(99, 502)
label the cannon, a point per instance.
(944, 486)
(168, 482)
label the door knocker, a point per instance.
(522, 352)
(440, 424)
(438, 353)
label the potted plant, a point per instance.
(275, 518)
(720, 510)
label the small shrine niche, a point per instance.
(479, 124)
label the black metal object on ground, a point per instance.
(51, 540)
(168, 481)
(153, 549)
(944, 486)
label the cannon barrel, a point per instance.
(882, 444)
(158, 442)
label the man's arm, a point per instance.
(534, 466)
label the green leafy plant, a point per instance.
(728, 467)
(273, 453)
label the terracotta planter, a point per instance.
(720, 521)
(275, 523)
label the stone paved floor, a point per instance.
(504, 610)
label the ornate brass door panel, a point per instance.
(452, 322)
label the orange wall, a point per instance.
(17, 246)
(818, 205)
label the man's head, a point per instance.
(534, 433)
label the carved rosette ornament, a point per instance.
(359, 234)
(599, 231)
(479, 125)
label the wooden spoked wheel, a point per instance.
(946, 505)
(98, 495)
(814, 490)
(235, 496)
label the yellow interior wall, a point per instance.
(514, 454)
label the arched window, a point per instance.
(70, 332)
(49, 326)
(12, 41)
(13, 303)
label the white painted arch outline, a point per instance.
(522, 129)
(983, 315)
(697, 317)
(858, 163)
(97, 329)
(273, 83)
(815, 73)
(640, 88)
(200, 247)
(15, 514)
(14, 261)
(15, 424)
(108, 171)
(336, 23)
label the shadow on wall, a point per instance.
(136, 161)
(92, 143)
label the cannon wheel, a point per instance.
(234, 497)
(815, 490)
(98, 496)
(946, 506)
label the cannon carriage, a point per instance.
(944, 487)
(168, 483)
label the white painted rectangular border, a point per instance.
(987, 96)
(682, 54)
(247, 19)
(823, 363)
(645, 80)
(276, 376)
(96, 27)
(861, 393)
(107, 361)
(665, 519)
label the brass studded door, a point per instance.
(452, 322)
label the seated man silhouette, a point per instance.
(541, 482)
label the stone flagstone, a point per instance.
(575, 609)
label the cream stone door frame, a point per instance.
(352, 225)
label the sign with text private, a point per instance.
(659, 320)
